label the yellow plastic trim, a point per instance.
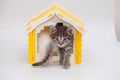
(28, 28)
(40, 15)
(50, 15)
(65, 12)
(54, 54)
(31, 47)
(59, 14)
(78, 47)
(55, 62)
(56, 7)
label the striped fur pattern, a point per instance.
(62, 37)
(46, 59)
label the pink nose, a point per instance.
(60, 42)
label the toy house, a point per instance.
(41, 23)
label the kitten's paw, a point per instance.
(66, 65)
(61, 62)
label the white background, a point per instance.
(101, 51)
(117, 18)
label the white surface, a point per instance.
(101, 59)
(117, 18)
(101, 50)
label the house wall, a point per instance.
(31, 47)
(78, 47)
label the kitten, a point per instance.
(62, 37)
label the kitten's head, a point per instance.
(61, 35)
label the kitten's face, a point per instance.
(61, 35)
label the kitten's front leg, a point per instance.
(61, 59)
(61, 50)
(66, 62)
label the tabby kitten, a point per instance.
(61, 36)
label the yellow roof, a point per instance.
(49, 13)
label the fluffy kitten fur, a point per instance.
(61, 36)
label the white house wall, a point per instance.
(51, 22)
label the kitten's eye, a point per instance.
(53, 37)
(57, 39)
(64, 39)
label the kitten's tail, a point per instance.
(47, 57)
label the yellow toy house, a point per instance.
(42, 22)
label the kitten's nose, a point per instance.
(60, 42)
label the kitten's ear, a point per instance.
(52, 29)
(70, 31)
